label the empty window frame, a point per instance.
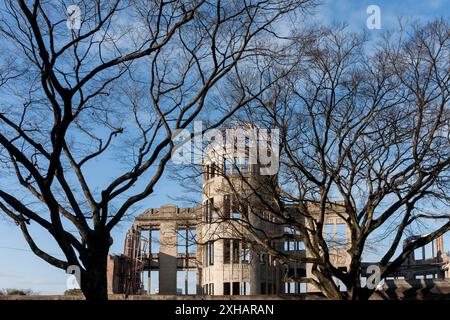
(209, 211)
(182, 241)
(154, 238)
(329, 235)
(293, 245)
(335, 235)
(153, 282)
(236, 288)
(226, 206)
(239, 208)
(192, 282)
(186, 240)
(187, 281)
(236, 251)
(236, 165)
(295, 287)
(245, 166)
(182, 282)
(206, 172)
(245, 252)
(262, 258)
(210, 289)
(235, 212)
(430, 250)
(418, 254)
(226, 251)
(245, 288)
(211, 253)
(192, 240)
(226, 289)
(206, 211)
(341, 235)
(227, 165)
(212, 210)
(296, 271)
(213, 171)
(208, 253)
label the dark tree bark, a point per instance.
(119, 87)
(363, 137)
(94, 277)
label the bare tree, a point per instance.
(364, 137)
(114, 86)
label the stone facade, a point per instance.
(216, 249)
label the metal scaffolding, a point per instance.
(136, 248)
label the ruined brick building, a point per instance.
(204, 250)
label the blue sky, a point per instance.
(20, 268)
(354, 13)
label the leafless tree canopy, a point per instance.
(111, 93)
(364, 129)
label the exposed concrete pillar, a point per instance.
(168, 258)
(149, 274)
(439, 246)
(432, 248)
(255, 275)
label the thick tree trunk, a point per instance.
(358, 293)
(94, 282)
